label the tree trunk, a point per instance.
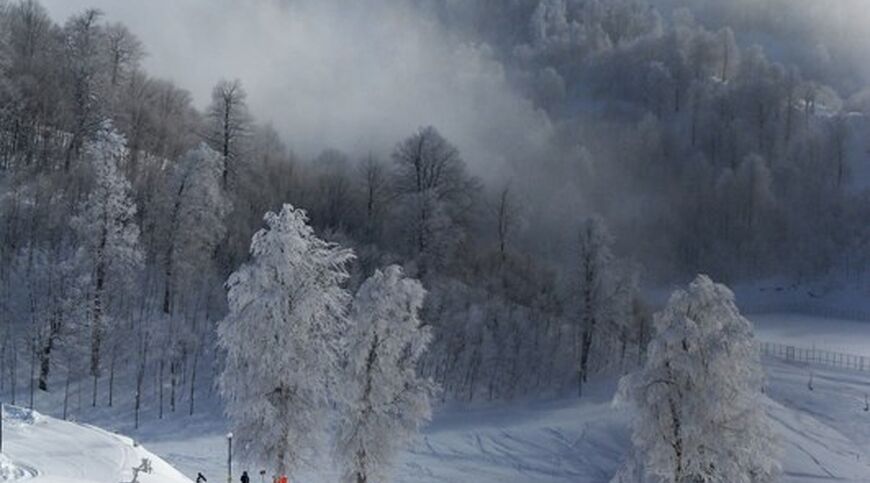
(160, 388)
(66, 393)
(94, 398)
(13, 369)
(97, 316)
(32, 372)
(173, 378)
(193, 379)
(45, 353)
(112, 377)
(140, 377)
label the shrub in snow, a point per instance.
(386, 401)
(700, 413)
(281, 339)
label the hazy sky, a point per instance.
(358, 76)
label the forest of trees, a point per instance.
(677, 148)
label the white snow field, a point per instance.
(42, 449)
(806, 331)
(825, 433)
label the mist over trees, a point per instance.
(680, 130)
(674, 145)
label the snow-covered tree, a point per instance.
(603, 298)
(386, 400)
(84, 70)
(108, 237)
(282, 339)
(700, 410)
(195, 223)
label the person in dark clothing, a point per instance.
(245, 478)
(200, 478)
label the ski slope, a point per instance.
(41, 449)
(824, 433)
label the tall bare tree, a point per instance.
(228, 123)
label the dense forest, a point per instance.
(669, 139)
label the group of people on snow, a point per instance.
(200, 478)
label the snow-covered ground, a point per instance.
(805, 331)
(825, 433)
(46, 450)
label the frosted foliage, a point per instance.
(105, 223)
(386, 401)
(281, 338)
(201, 204)
(700, 411)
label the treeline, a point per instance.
(124, 210)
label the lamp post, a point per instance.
(229, 457)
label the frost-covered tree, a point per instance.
(282, 339)
(195, 223)
(603, 299)
(386, 400)
(84, 71)
(108, 236)
(192, 227)
(700, 410)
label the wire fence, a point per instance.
(815, 356)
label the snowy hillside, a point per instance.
(42, 449)
(825, 433)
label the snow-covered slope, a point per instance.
(825, 433)
(42, 449)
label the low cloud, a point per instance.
(357, 76)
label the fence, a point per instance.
(816, 356)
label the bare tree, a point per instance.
(375, 185)
(124, 51)
(229, 122)
(507, 212)
(439, 194)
